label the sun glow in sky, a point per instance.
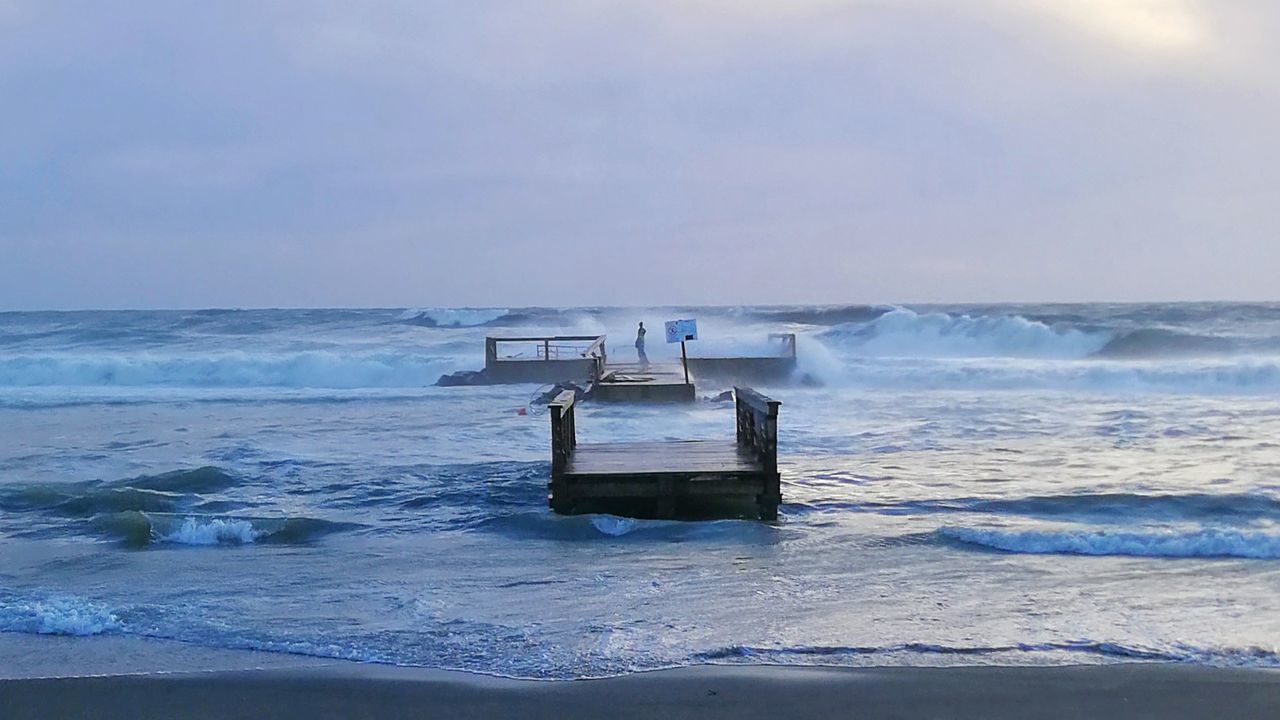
(1168, 25)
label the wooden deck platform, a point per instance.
(544, 359)
(680, 479)
(584, 360)
(642, 383)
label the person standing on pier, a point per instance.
(644, 359)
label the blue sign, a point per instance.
(681, 330)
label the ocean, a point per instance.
(1006, 484)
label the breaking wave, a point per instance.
(1205, 543)
(213, 531)
(1157, 342)
(1223, 376)
(1096, 507)
(56, 616)
(817, 315)
(615, 526)
(139, 529)
(906, 333)
(453, 317)
(294, 370)
(901, 332)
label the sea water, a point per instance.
(969, 484)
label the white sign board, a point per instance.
(681, 330)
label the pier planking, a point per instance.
(643, 383)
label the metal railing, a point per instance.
(550, 347)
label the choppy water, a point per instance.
(1012, 484)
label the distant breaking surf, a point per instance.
(453, 317)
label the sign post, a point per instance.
(684, 361)
(681, 331)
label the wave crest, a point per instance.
(214, 531)
(1204, 543)
(1093, 507)
(56, 616)
(201, 479)
(141, 529)
(1226, 377)
(294, 370)
(906, 333)
(453, 317)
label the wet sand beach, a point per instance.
(350, 690)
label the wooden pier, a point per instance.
(682, 479)
(584, 360)
(544, 359)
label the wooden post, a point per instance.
(546, 349)
(564, 431)
(564, 440)
(558, 454)
(684, 360)
(490, 353)
(758, 432)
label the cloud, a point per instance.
(478, 153)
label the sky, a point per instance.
(576, 152)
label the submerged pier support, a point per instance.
(681, 479)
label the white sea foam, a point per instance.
(1203, 543)
(1230, 376)
(56, 616)
(455, 317)
(906, 333)
(215, 531)
(235, 369)
(615, 526)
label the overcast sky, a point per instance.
(198, 154)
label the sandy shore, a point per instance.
(742, 693)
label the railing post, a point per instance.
(571, 432)
(564, 432)
(490, 352)
(558, 455)
(737, 413)
(769, 452)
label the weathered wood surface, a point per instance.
(633, 382)
(645, 458)
(564, 430)
(671, 478)
(757, 420)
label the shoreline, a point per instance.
(347, 689)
